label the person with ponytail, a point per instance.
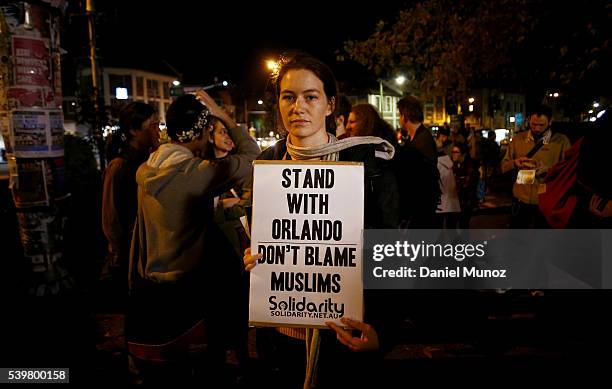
(127, 148)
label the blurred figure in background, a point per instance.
(127, 149)
(343, 110)
(230, 216)
(419, 178)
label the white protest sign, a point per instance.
(308, 223)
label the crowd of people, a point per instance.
(174, 214)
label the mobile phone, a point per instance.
(602, 204)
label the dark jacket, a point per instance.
(419, 179)
(119, 205)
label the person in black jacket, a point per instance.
(419, 178)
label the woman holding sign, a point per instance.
(307, 90)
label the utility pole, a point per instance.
(380, 102)
(32, 126)
(92, 47)
(97, 131)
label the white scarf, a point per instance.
(330, 151)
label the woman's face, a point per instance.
(148, 135)
(354, 125)
(456, 154)
(304, 106)
(220, 139)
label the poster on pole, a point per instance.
(28, 182)
(5, 131)
(56, 131)
(308, 224)
(31, 61)
(37, 133)
(29, 133)
(33, 76)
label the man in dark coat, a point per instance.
(418, 176)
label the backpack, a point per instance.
(558, 200)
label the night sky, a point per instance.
(229, 40)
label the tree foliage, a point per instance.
(446, 44)
(451, 46)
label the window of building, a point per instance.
(153, 88)
(139, 86)
(388, 103)
(166, 88)
(439, 109)
(120, 81)
(376, 101)
(429, 111)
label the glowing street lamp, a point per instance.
(272, 65)
(399, 80)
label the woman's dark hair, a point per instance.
(463, 148)
(182, 115)
(131, 117)
(299, 60)
(343, 107)
(372, 123)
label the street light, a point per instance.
(272, 65)
(260, 102)
(399, 80)
(471, 100)
(176, 83)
